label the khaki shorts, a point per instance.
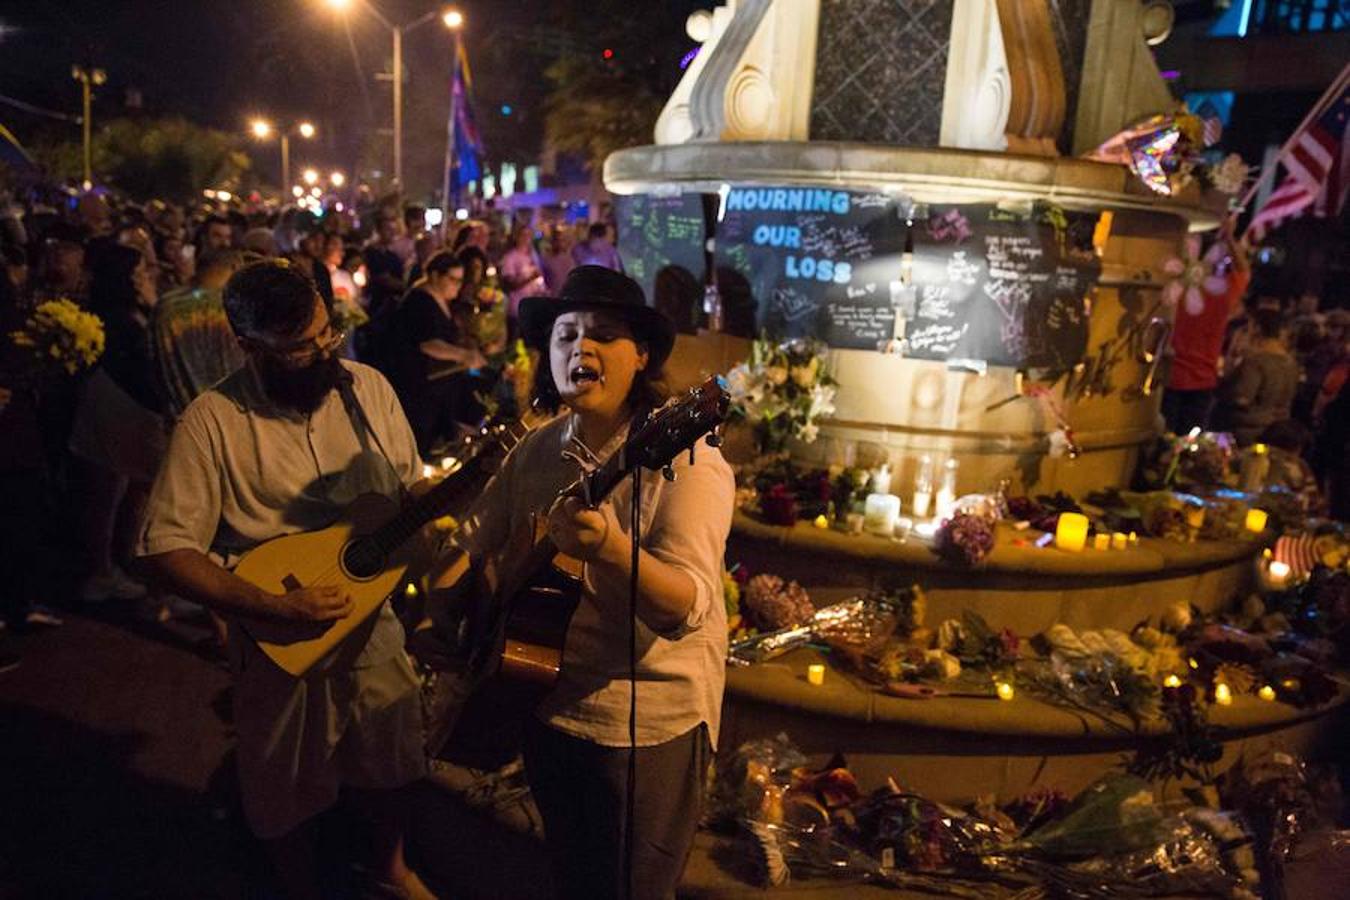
(301, 740)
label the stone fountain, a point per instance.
(903, 180)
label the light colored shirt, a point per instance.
(681, 675)
(241, 471)
(516, 265)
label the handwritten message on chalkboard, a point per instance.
(1006, 287)
(656, 232)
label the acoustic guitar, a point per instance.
(366, 552)
(516, 635)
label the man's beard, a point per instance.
(302, 390)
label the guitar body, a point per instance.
(536, 625)
(518, 660)
(317, 558)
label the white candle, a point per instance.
(880, 512)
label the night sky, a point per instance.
(220, 62)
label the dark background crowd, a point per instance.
(431, 308)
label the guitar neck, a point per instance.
(434, 503)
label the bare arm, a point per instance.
(436, 348)
(192, 574)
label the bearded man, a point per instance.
(283, 446)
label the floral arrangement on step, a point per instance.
(782, 391)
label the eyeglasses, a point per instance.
(297, 356)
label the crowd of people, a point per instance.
(1271, 370)
(433, 309)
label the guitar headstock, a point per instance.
(678, 425)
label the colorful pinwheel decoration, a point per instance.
(1193, 276)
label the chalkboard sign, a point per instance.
(986, 284)
(1008, 288)
(656, 232)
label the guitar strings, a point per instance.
(322, 579)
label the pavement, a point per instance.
(117, 781)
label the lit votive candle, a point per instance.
(448, 463)
(1223, 694)
(1134, 538)
(821, 521)
(428, 471)
(1004, 690)
(1172, 681)
(815, 673)
(1266, 693)
(1101, 541)
(1279, 573)
(1119, 541)
(880, 512)
(1071, 532)
(1256, 520)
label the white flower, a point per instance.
(808, 433)
(1230, 176)
(822, 401)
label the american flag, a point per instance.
(1317, 165)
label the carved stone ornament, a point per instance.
(752, 77)
(978, 93)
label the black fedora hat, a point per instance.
(604, 290)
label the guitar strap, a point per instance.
(365, 432)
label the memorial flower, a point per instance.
(61, 337)
(781, 391)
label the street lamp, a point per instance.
(262, 130)
(310, 177)
(452, 18)
(89, 78)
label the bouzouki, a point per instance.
(367, 552)
(518, 636)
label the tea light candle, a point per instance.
(880, 512)
(1266, 693)
(1119, 541)
(1101, 541)
(821, 521)
(1134, 538)
(1256, 520)
(1071, 532)
(428, 470)
(1223, 694)
(815, 673)
(448, 463)
(1004, 690)
(1172, 681)
(1279, 573)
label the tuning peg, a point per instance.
(668, 473)
(714, 439)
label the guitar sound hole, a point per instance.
(363, 559)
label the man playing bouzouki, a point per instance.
(602, 352)
(280, 447)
